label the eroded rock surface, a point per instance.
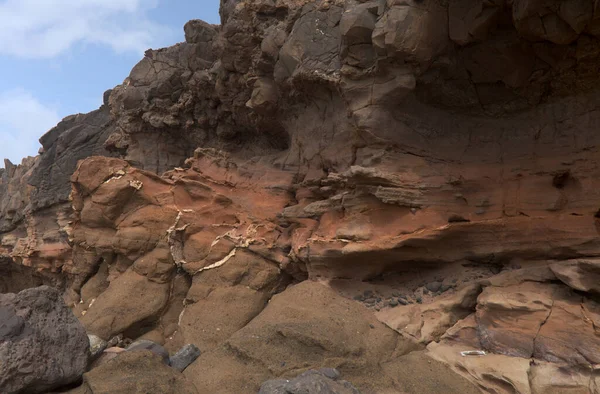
(42, 345)
(423, 173)
(135, 372)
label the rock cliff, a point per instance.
(363, 185)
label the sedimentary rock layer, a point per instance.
(436, 161)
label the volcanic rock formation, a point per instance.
(373, 186)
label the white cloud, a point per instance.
(47, 28)
(23, 120)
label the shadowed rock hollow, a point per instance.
(360, 185)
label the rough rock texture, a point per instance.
(317, 382)
(42, 345)
(134, 372)
(184, 357)
(429, 164)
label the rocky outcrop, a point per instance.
(536, 336)
(427, 167)
(42, 345)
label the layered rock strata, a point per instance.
(336, 184)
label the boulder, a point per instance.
(130, 302)
(42, 345)
(412, 31)
(308, 324)
(140, 372)
(580, 274)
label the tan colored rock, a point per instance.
(428, 322)
(490, 372)
(581, 274)
(499, 308)
(556, 379)
(568, 336)
(135, 372)
(130, 302)
(307, 325)
(417, 373)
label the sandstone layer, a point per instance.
(356, 185)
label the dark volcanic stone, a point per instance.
(74, 138)
(11, 325)
(184, 357)
(42, 344)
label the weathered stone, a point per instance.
(582, 275)
(198, 31)
(135, 372)
(428, 322)
(184, 357)
(412, 31)
(42, 345)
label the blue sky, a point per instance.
(57, 57)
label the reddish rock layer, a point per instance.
(434, 160)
